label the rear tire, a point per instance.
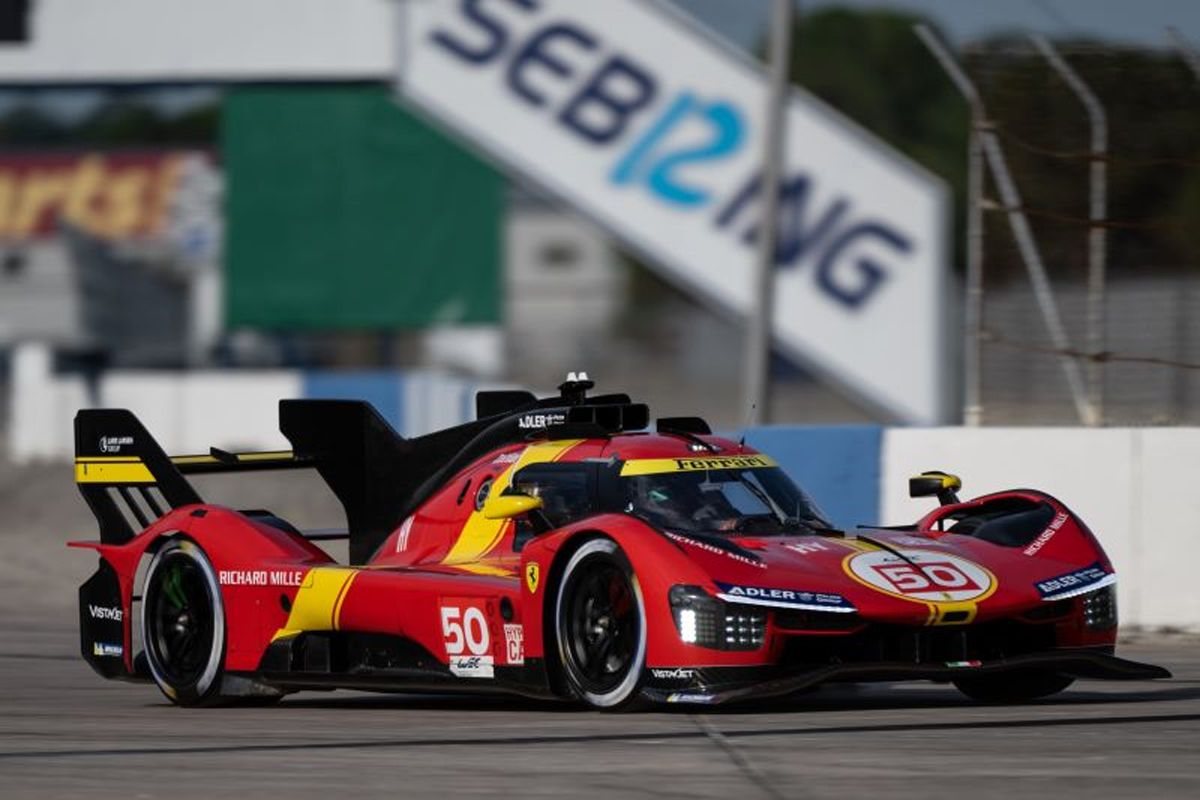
(1014, 687)
(600, 626)
(183, 624)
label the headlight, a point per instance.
(703, 620)
(1100, 609)
(696, 614)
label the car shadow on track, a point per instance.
(846, 698)
(634, 735)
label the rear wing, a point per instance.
(129, 482)
(224, 461)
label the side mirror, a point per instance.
(942, 484)
(507, 506)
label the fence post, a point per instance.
(973, 309)
(1026, 245)
(1097, 211)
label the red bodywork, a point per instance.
(452, 583)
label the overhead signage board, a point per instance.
(338, 215)
(633, 114)
(117, 41)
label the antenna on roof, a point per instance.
(745, 426)
(574, 388)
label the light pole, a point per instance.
(761, 317)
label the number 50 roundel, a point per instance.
(937, 577)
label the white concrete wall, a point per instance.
(191, 411)
(1135, 488)
(187, 412)
(38, 404)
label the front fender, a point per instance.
(1064, 538)
(658, 563)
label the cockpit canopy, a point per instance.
(729, 495)
(754, 500)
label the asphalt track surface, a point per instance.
(65, 732)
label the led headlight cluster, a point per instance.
(708, 622)
(1100, 609)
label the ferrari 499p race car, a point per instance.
(556, 548)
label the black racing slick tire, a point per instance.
(183, 624)
(1014, 687)
(600, 626)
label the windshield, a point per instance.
(761, 501)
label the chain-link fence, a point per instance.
(1149, 354)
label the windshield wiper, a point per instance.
(763, 498)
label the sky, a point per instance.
(1134, 22)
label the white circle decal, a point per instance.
(925, 575)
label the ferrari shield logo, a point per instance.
(532, 574)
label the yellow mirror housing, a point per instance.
(942, 484)
(507, 506)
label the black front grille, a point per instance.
(816, 621)
(921, 645)
(1053, 610)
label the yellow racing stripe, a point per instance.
(240, 458)
(654, 466)
(318, 603)
(480, 534)
(112, 470)
(486, 569)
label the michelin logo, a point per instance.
(689, 697)
(105, 650)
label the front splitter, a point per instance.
(1076, 663)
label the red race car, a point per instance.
(555, 548)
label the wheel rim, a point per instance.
(603, 626)
(181, 620)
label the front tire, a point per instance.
(183, 624)
(600, 622)
(1014, 687)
